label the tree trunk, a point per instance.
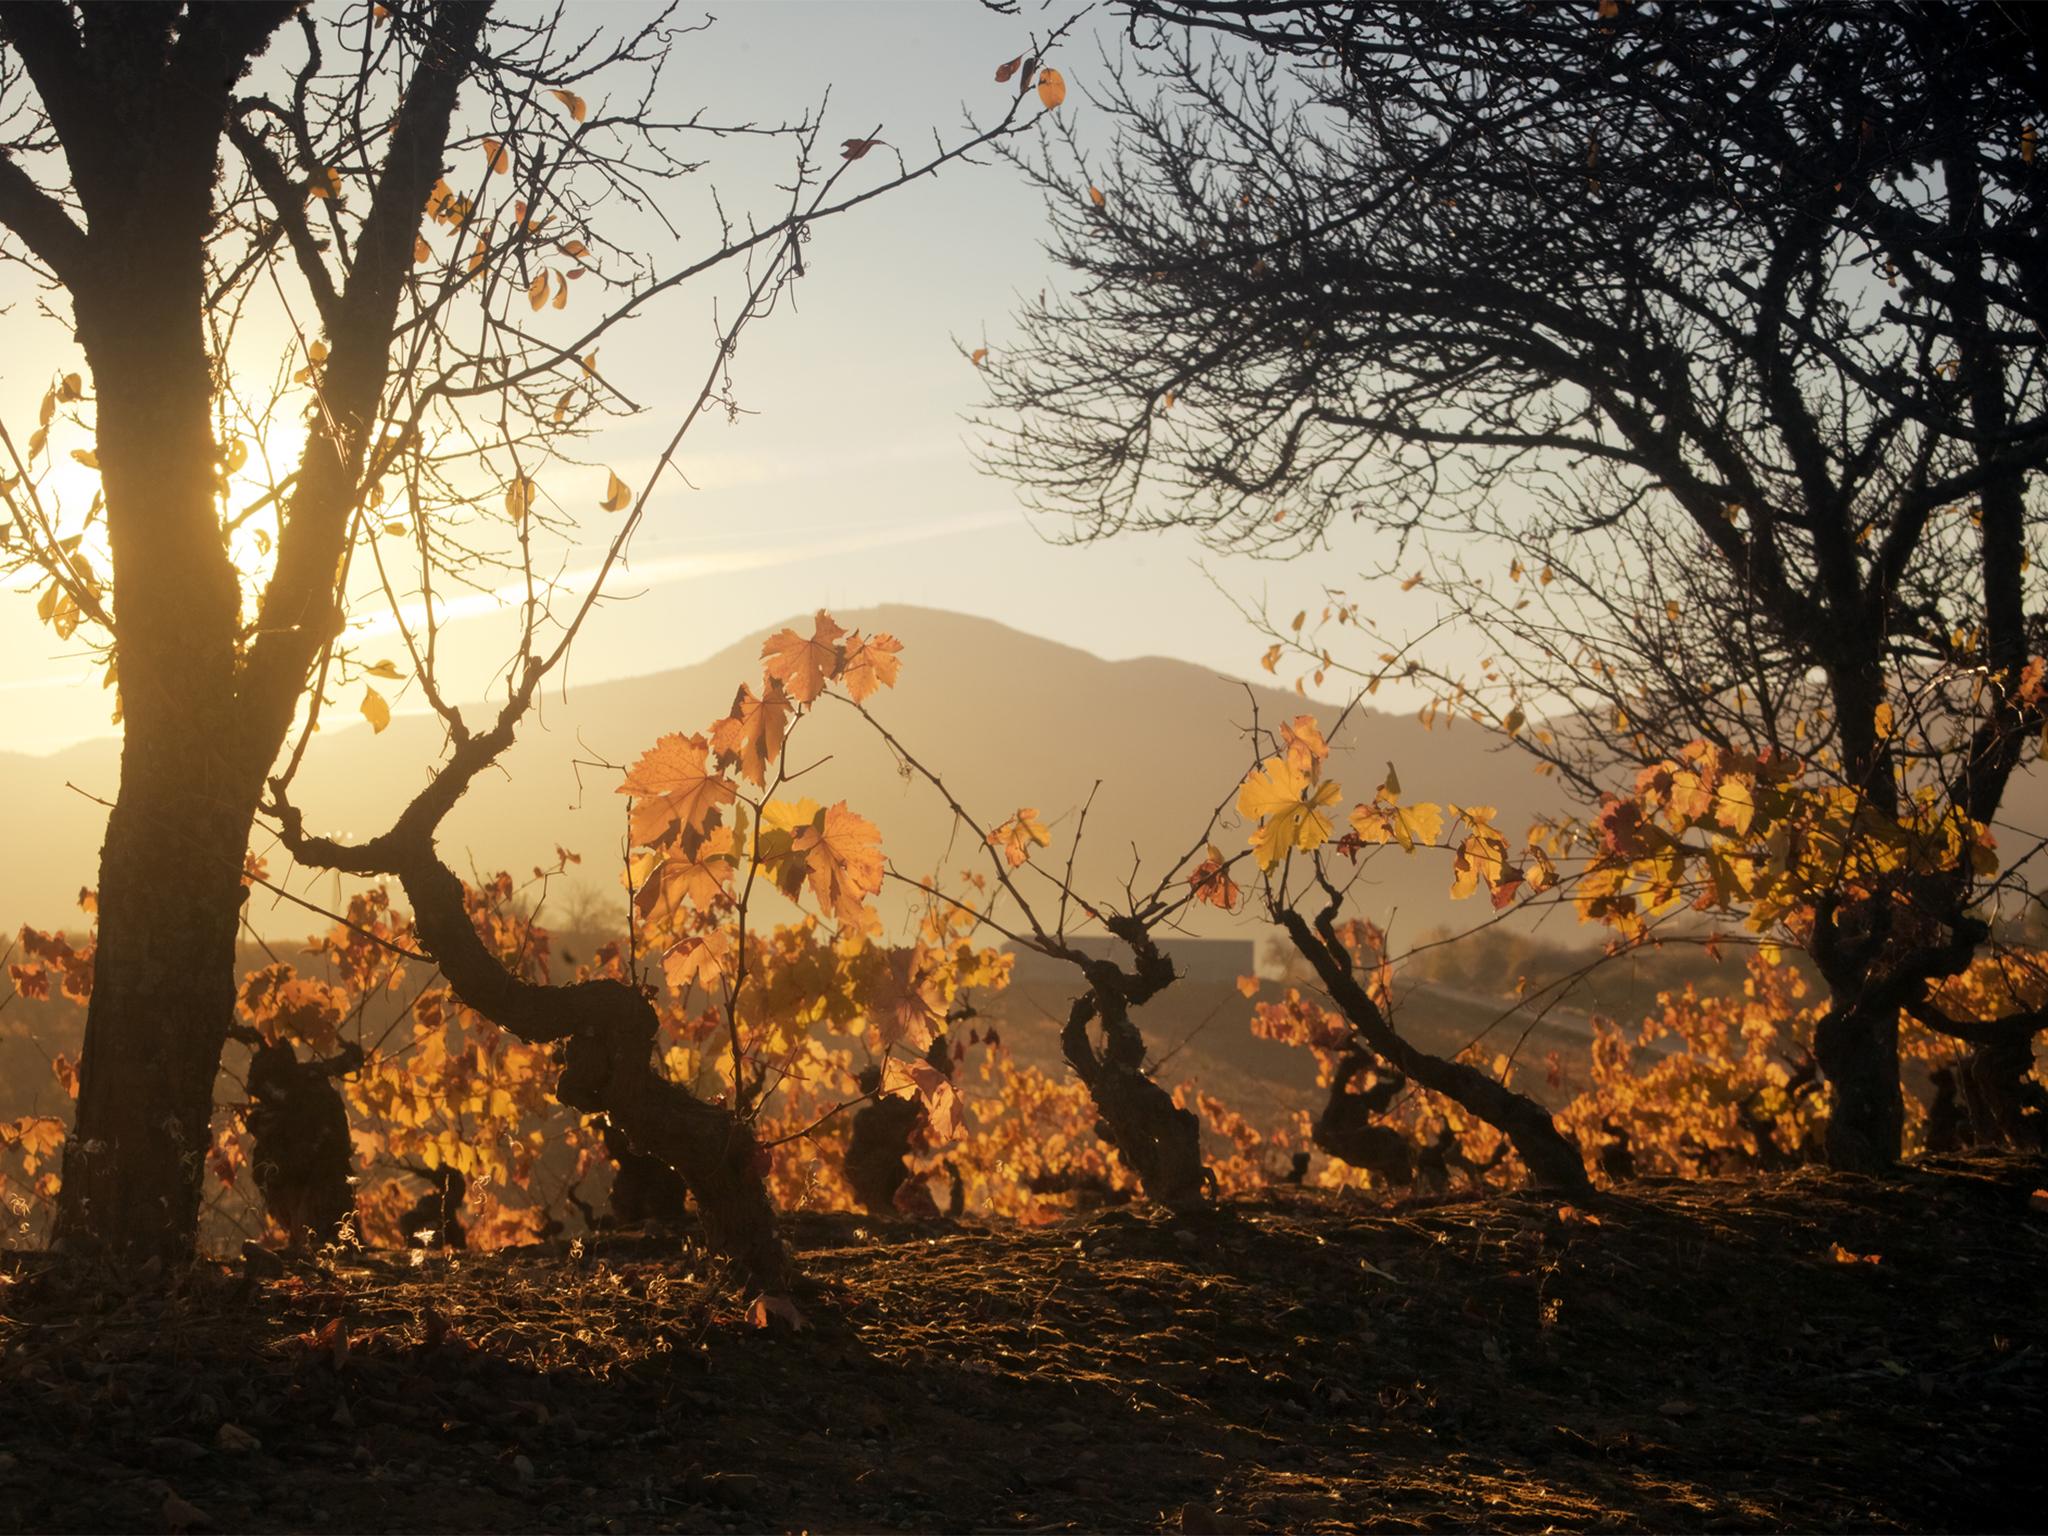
(1858, 1051)
(170, 870)
(163, 995)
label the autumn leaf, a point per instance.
(71, 388)
(537, 290)
(853, 149)
(775, 842)
(1095, 196)
(703, 958)
(617, 494)
(933, 1090)
(699, 881)
(843, 854)
(978, 356)
(870, 664)
(376, 710)
(385, 669)
(1409, 825)
(1212, 884)
(673, 790)
(1881, 720)
(327, 184)
(1273, 795)
(500, 158)
(803, 667)
(519, 497)
(1004, 71)
(1052, 88)
(86, 457)
(1302, 740)
(1016, 836)
(751, 735)
(766, 1309)
(579, 109)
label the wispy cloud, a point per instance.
(663, 570)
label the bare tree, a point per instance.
(1726, 320)
(400, 231)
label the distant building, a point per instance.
(1199, 961)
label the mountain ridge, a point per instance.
(1006, 717)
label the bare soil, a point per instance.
(1815, 1351)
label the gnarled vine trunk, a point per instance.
(1550, 1158)
(1158, 1140)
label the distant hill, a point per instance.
(1008, 718)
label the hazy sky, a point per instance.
(851, 481)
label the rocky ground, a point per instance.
(1814, 1351)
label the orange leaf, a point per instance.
(696, 881)
(1052, 88)
(1212, 884)
(979, 356)
(1016, 835)
(844, 852)
(421, 251)
(500, 157)
(803, 667)
(870, 664)
(703, 957)
(673, 790)
(579, 109)
(751, 736)
(1095, 196)
(537, 290)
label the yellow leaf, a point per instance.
(376, 710)
(519, 497)
(537, 290)
(384, 669)
(579, 109)
(1052, 88)
(501, 161)
(1272, 794)
(617, 494)
(1736, 806)
(86, 457)
(1881, 718)
(72, 388)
